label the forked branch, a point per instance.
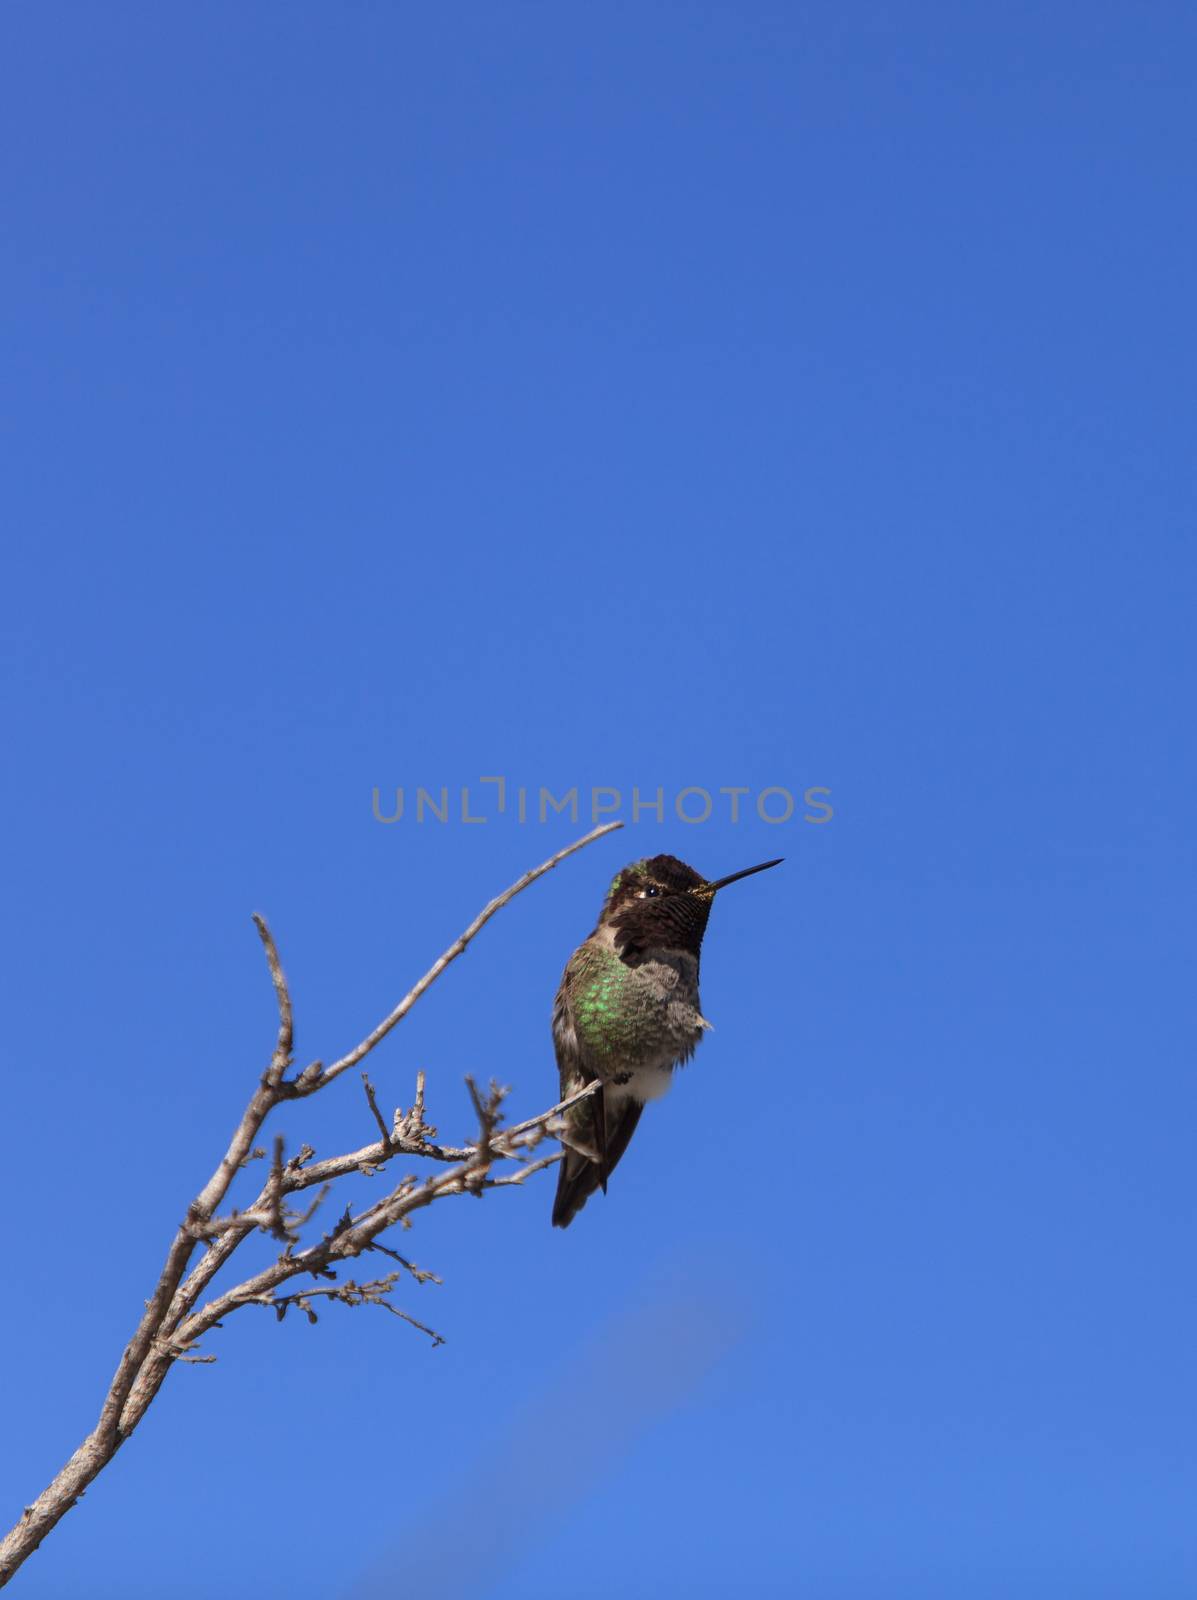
(177, 1316)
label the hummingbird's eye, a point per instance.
(650, 890)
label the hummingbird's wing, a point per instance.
(596, 1131)
(578, 1177)
(585, 1126)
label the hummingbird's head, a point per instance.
(659, 903)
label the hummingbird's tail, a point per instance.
(578, 1177)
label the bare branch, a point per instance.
(170, 1326)
(300, 1219)
(377, 1114)
(514, 1141)
(281, 1059)
(514, 1178)
(411, 1124)
(349, 1294)
(545, 1117)
(360, 1051)
(274, 1195)
(420, 1274)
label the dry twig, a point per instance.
(176, 1317)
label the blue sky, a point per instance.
(643, 395)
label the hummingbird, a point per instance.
(627, 1013)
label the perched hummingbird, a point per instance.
(627, 1013)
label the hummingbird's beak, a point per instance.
(733, 877)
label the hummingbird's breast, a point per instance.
(630, 1024)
